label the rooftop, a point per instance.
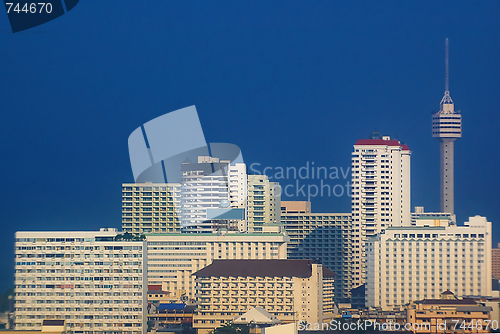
(382, 142)
(261, 268)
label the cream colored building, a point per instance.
(380, 193)
(89, 280)
(155, 208)
(151, 208)
(173, 258)
(410, 263)
(449, 314)
(326, 237)
(263, 203)
(291, 290)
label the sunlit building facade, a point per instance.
(93, 281)
(408, 263)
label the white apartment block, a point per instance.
(204, 187)
(151, 208)
(173, 258)
(408, 263)
(203, 202)
(263, 203)
(238, 185)
(89, 280)
(325, 237)
(291, 290)
(380, 193)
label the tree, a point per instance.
(231, 329)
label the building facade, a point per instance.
(93, 281)
(263, 203)
(380, 193)
(409, 263)
(449, 314)
(151, 208)
(324, 237)
(291, 290)
(173, 258)
(213, 195)
(205, 196)
(495, 262)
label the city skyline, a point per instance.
(66, 154)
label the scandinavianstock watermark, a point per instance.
(307, 181)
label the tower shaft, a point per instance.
(447, 175)
(447, 127)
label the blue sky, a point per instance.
(289, 83)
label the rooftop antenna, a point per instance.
(447, 67)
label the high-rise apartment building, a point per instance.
(291, 290)
(380, 193)
(447, 127)
(206, 201)
(94, 281)
(324, 237)
(213, 195)
(263, 203)
(408, 263)
(151, 208)
(173, 258)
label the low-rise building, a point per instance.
(290, 290)
(449, 314)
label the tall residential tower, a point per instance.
(380, 193)
(447, 127)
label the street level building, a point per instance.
(449, 314)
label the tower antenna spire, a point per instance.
(447, 67)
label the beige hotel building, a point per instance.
(409, 263)
(173, 258)
(291, 290)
